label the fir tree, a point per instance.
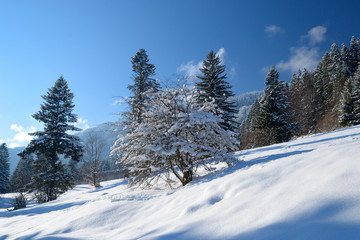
(51, 176)
(21, 178)
(324, 85)
(143, 71)
(354, 54)
(212, 86)
(356, 97)
(346, 118)
(4, 168)
(346, 61)
(274, 113)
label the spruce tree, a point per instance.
(143, 82)
(354, 54)
(213, 87)
(346, 118)
(21, 178)
(356, 97)
(4, 168)
(274, 113)
(51, 176)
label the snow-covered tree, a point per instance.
(4, 168)
(347, 117)
(274, 116)
(213, 86)
(176, 136)
(143, 82)
(356, 97)
(324, 85)
(51, 176)
(354, 54)
(21, 178)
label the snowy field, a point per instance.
(304, 189)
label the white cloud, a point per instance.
(13, 145)
(221, 55)
(22, 136)
(82, 123)
(2, 141)
(16, 127)
(191, 69)
(316, 35)
(302, 57)
(273, 30)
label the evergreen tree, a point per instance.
(346, 118)
(324, 86)
(21, 178)
(354, 54)
(4, 168)
(51, 176)
(346, 61)
(274, 113)
(212, 86)
(356, 97)
(143, 71)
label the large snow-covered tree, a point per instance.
(274, 116)
(143, 71)
(51, 176)
(176, 136)
(4, 168)
(213, 86)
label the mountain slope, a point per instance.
(303, 189)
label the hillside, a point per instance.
(304, 189)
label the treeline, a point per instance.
(318, 101)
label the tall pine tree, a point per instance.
(51, 176)
(274, 116)
(4, 168)
(143, 82)
(214, 87)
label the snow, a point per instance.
(304, 189)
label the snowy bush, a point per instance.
(19, 201)
(176, 136)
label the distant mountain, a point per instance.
(14, 158)
(243, 103)
(108, 132)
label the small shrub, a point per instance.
(19, 201)
(40, 197)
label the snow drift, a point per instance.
(304, 189)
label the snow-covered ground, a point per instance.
(304, 189)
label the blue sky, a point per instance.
(91, 44)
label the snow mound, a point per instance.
(304, 189)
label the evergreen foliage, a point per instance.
(21, 178)
(4, 168)
(51, 176)
(142, 73)
(274, 108)
(356, 97)
(213, 86)
(346, 118)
